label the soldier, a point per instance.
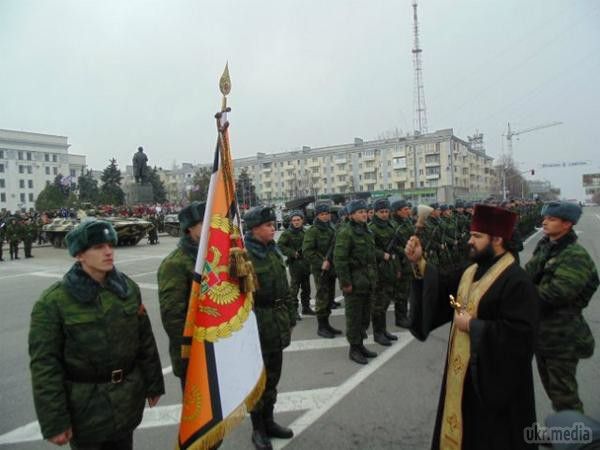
(388, 269)
(13, 236)
(404, 229)
(94, 361)
(318, 250)
(370, 214)
(175, 276)
(29, 230)
(275, 315)
(432, 236)
(566, 278)
(290, 243)
(354, 259)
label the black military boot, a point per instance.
(366, 352)
(401, 314)
(260, 439)
(274, 430)
(356, 355)
(378, 329)
(364, 334)
(323, 330)
(330, 328)
(390, 336)
(381, 339)
(307, 310)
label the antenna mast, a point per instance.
(420, 119)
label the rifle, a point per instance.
(329, 253)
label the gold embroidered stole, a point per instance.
(469, 294)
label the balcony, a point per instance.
(433, 176)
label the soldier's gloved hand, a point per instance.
(347, 289)
(62, 438)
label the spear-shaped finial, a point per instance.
(225, 85)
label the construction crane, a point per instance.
(510, 133)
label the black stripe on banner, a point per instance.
(213, 386)
(197, 278)
(216, 161)
(186, 340)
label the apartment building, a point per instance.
(30, 161)
(434, 166)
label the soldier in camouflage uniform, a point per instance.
(13, 236)
(354, 259)
(432, 236)
(94, 361)
(566, 279)
(275, 314)
(290, 243)
(388, 269)
(175, 276)
(317, 248)
(404, 230)
(29, 235)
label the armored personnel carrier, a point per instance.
(172, 225)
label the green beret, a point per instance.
(568, 211)
(191, 215)
(89, 233)
(258, 215)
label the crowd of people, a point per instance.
(458, 265)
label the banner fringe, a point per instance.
(218, 433)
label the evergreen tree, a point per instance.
(158, 187)
(50, 198)
(111, 192)
(200, 184)
(245, 190)
(88, 188)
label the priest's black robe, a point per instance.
(498, 398)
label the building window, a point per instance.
(1, 154)
(2, 183)
(29, 170)
(20, 155)
(22, 184)
(21, 169)
(30, 184)
(28, 156)
(47, 157)
(55, 171)
(31, 197)
(3, 197)
(47, 170)
(1, 168)
(54, 158)
(22, 197)
(72, 173)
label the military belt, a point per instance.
(270, 303)
(115, 376)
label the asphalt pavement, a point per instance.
(329, 401)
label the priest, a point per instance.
(487, 398)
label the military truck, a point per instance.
(172, 225)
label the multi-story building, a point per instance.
(422, 168)
(30, 161)
(591, 184)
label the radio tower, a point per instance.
(419, 94)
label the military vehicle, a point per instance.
(172, 225)
(307, 206)
(130, 230)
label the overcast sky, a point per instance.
(114, 74)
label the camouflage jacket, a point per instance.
(273, 306)
(290, 243)
(405, 229)
(175, 276)
(384, 235)
(13, 232)
(318, 240)
(566, 279)
(354, 257)
(80, 332)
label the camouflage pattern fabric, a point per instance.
(290, 243)
(318, 241)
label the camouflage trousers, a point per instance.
(357, 307)
(27, 245)
(325, 293)
(381, 302)
(300, 282)
(401, 294)
(13, 247)
(273, 364)
(124, 442)
(560, 384)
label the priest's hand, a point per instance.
(462, 320)
(413, 249)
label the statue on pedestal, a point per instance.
(140, 166)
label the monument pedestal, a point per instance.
(139, 193)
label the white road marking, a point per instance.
(312, 415)
(597, 216)
(161, 416)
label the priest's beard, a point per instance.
(481, 256)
